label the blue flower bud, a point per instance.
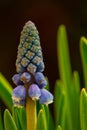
(34, 92)
(40, 80)
(16, 79)
(40, 67)
(46, 97)
(29, 56)
(25, 77)
(19, 95)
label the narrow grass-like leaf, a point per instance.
(46, 112)
(59, 127)
(48, 116)
(76, 82)
(61, 109)
(19, 116)
(5, 91)
(16, 118)
(22, 117)
(1, 122)
(38, 106)
(65, 71)
(41, 121)
(51, 122)
(63, 56)
(83, 50)
(75, 98)
(8, 121)
(59, 100)
(83, 109)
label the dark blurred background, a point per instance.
(47, 15)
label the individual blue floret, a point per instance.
(46, 97)
(19, 95)
(40, 79)
(16, 79)
(25, 77)
(40, 67)
(34, 92)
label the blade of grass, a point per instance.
(59, 127)
(76, 100)
(76, 81)
(1, 122)
(59, 102)
(22, 117)
(8, 121)
(83, 51)
(5, 91)
(19, 116)
(16, 118)
(49, 119)
(61, 110)
(65, 71)
(83, 109)
(63, 56)
(41, 121)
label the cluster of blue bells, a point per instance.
(29, 67)
(36, 91)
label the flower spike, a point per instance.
(29, 79)
(29, 56)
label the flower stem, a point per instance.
(30, 110)
(31, 114)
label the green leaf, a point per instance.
(59, 127)
(16, 119)
(83, 109)
(8, 121)
(41, 121)
(46, 112)
(49, 119)
(59, 102)
(19, 116)
(83, 50)
(76, 100)
(65, 73)
(38, 106)
(76, 81)
(1, 122)
(5, 91)
(63, 56)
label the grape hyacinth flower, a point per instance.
(46, 97)
(19, 95)
(16, 79)
(29, 79)
(34, 92)
(25, 77)
(40, 79)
